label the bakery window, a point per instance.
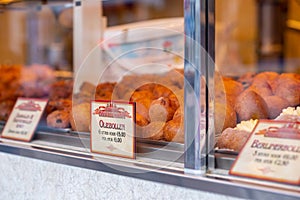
(201, 75)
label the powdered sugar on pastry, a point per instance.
(246, 125)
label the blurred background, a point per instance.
(251, 35)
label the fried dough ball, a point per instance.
(232, 89)
(225, 116)
(104, 91)
(174, 130)
(153, 131)
(60, 104)
(62, 89)
(268, 77)
(178, 113)
(161, 110)
(143, 101)
(246, 79)
(250, 105)
(80, 117)
(226, 90)
(176, 99)
(146, 87)
(87, 88)
(287, 86)
(59, 119)
(104, 96)
(144, 97)
(9, 73)
(232, 139)
(104, 87)
(141, 119)
(161, 91)
(275, 105)
(262, 88)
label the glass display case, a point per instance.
(202, 75)
(256, 72)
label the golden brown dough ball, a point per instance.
(141, 119)
(61, 89)
(275, 105)
(147, 87)
(232, 139)
(161, 91)
(225, 116)
(143, 101)
(80, 117)
(59, 119)
(178, 113)
(60, 104)
(246, 79)
(262, 88)
(108, 95)
(176, 99)
(227, 90)
(263, 82)
(287, 86)
(104, 91)
(174, 130)
(144, 97)
(161, 110)
(268, 77)
(153, 130)
(250, 105)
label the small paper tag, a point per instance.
(272, 152)
(24, 119)
(113, 128)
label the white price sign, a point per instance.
(272, 152)
(24, 119)
(113, 128)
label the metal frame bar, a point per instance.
(194, 161)
(199, 64)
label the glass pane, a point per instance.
(96, 50)
(257, 69)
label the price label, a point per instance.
(272, 152)
(24, 119)
(113, 128)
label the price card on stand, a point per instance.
(113, 128)
(272, 152)
(24, 119)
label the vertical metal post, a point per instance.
(194, 37)
(197, 47)
(210, 83)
